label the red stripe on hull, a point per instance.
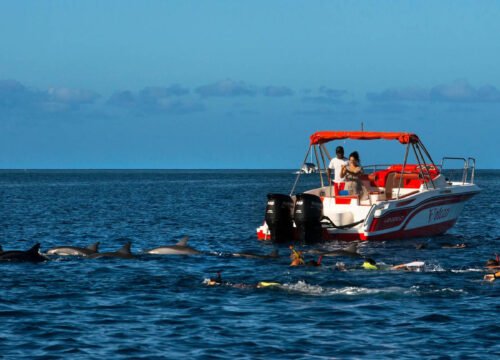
(403, 216)
(408, 214)
(429, 230)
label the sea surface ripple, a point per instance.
(158, 306)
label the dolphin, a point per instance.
(272, 255)
(181, 248)
(74, 250)
(351, 250)
(122, 253)
(31, 255)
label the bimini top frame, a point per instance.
(322, 156)
(322, 137)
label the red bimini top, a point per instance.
(322, 137)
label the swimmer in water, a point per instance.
(493, 263)
(340, 266)
(492, 277)
(314, 262)
(370, 264)
(217, 281)
(411, 266)
(297, 257)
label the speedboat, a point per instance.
(412, 199)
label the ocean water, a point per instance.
(159, 307)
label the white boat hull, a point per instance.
(425, 213)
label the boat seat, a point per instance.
(410, 181)
(389, 185)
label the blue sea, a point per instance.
(156, 307)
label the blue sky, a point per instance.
(228, 84)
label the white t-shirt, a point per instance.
(336, 165)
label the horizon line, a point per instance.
(168, 169)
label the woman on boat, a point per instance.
(352, 173)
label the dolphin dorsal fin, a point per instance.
(183, 241)
(353, 248)
(35, 249)
(125, 249)
(94, 247)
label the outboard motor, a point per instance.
(307, 216)
(279, 213)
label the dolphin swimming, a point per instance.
(272, 255)
(31, 255)
(122, 253)
(351, 250)
(181, 248)
(74, 250)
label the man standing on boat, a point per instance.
(336, 165)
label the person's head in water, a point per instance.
(370, 264)
(217, 280)
(354, 158)
(340, 152)
(314, 262)
(297, 257)
(492, 263)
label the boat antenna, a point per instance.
(362, 126)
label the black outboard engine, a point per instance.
(279, 213)
(307, 216)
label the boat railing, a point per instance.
(468, 170)
(375, 167)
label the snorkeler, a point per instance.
(297, 257)
(264, 284)
(492, 277)
(370, 264)
(218, 281)
(493, 263)
(215, 281)
(315, 262)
